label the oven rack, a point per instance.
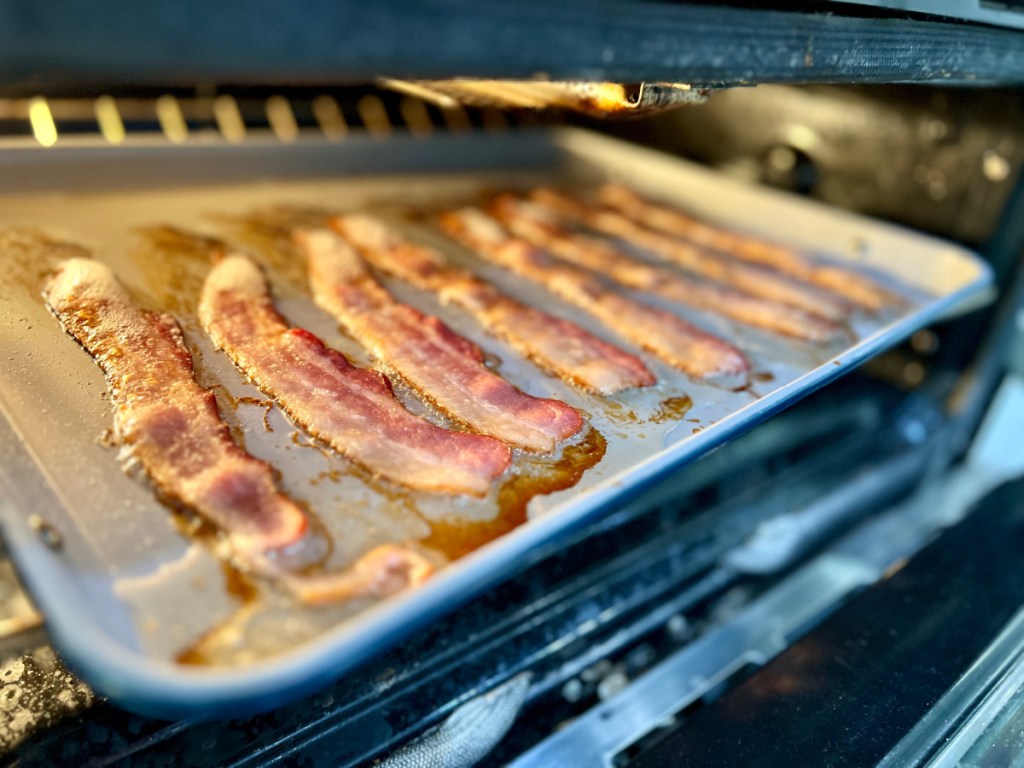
(235, 116)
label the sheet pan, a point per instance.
(123, 590)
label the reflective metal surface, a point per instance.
(859, 683)
(757, 634)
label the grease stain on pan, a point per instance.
(672, 409)
(534, 476)
(174, 263)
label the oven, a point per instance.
(818, 565)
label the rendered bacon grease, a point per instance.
(756, 280)
(665, 335)
(172, 427)
(853, 287)
(556, 345)
(448, 369)
(351, 409)
(540, 227)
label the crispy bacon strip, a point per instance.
(351, 409)
(856, 288)
(757, 281)
(536, 225)
(446, 368)
(678, 343)
(168, 421)
(173, 428)
(558, 346)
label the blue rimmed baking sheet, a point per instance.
(127, 591)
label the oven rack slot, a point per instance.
(236, 117)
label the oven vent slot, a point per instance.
(237, 117)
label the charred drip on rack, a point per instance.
(457, 539)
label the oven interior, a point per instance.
(840, 580)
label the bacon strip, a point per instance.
(757, 281)
(168, 421)
(536, 225)
(678, 343)
(446, 368)
(173, 428)
(351, 409)
(382, 571)
(556, 345)
(852, 286)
